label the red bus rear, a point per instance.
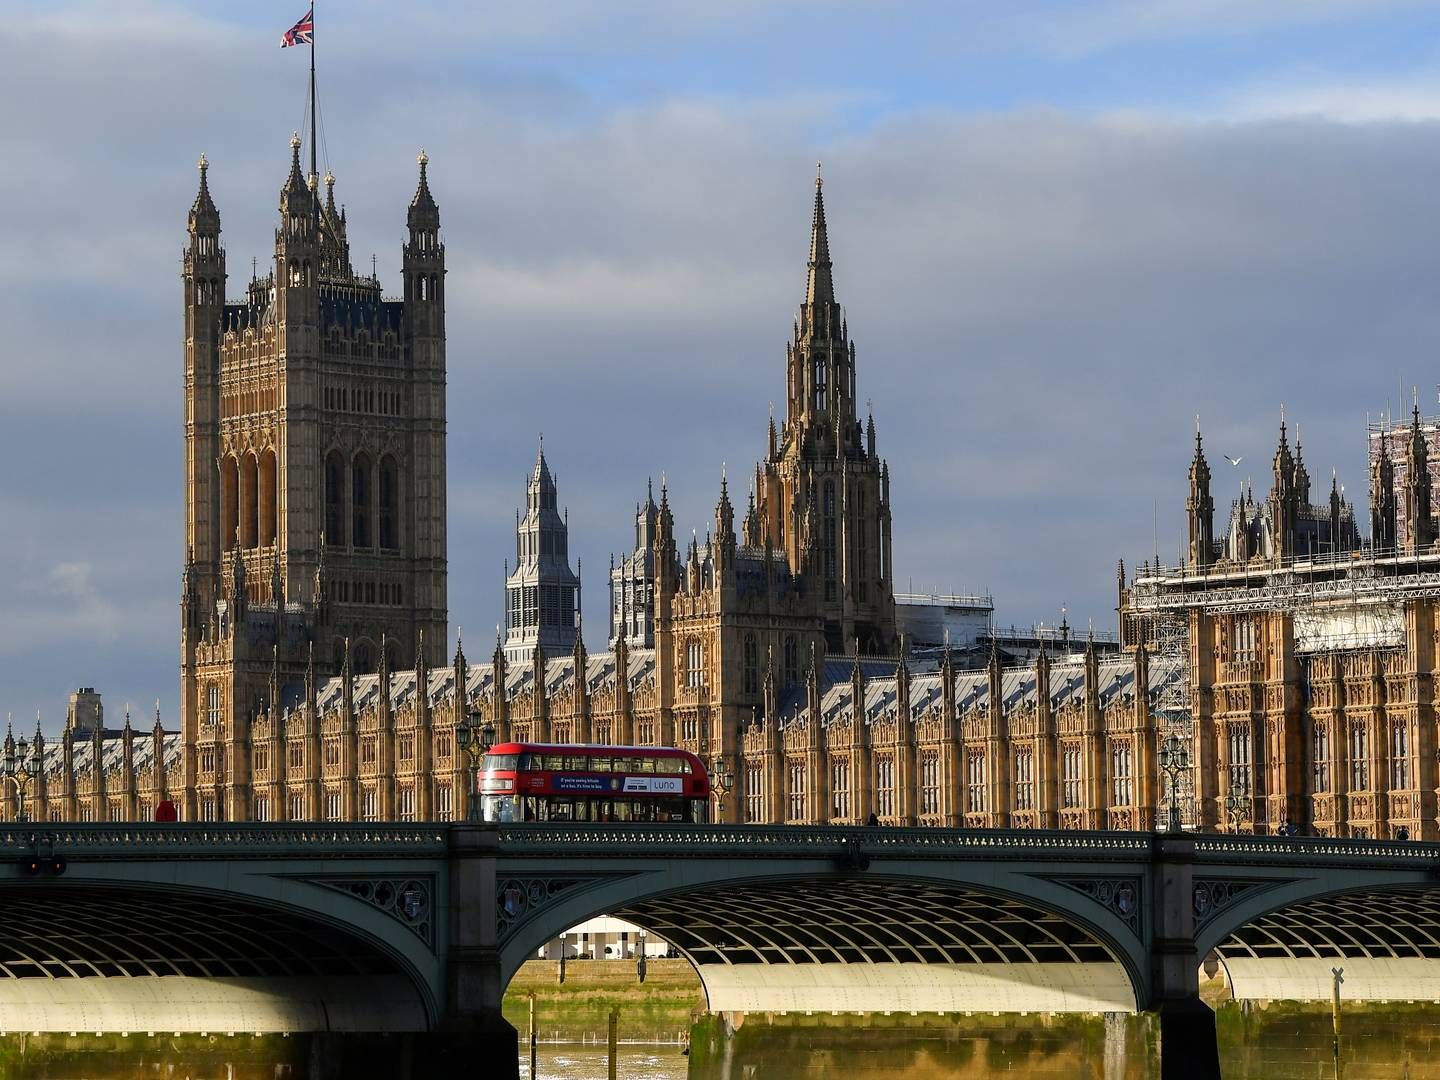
(546, 782)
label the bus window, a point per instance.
(601, 764)
(685, 765)
(647, 764)
(530, 763)
(499, 808)
(499, 762)
(668, 765)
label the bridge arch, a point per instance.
(160, 946)
(1282, 939)
(787, 935)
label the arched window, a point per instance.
(792, 661)
(364, 659)
(819, 369)
(752, 665)
(389, 511)
(1399, 757)
(1359, 758)
(1320, 758)
(249, 502)
(694, 663)
(335, 499)
(269, 499)
(829, 525)
(360, 503)
(229, 501)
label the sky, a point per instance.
(1060, 232)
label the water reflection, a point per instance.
(570, 1061)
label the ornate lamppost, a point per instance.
(1174, 760)
(17, 770)
(722, 778)
(475, 739)
(1236, 803)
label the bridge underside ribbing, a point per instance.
(76, 958)
(1386, 942)
(862, 944)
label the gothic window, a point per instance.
(335, 500)
(249, 502)
(975, 781)
(262, 807)
(1359, 758)
(819, 369)
(885, 787)
(207, 809)
(1399, 757)
(1239, 745)
(369, 804)
(1071, 783)
(1244, 639)
(262, 759)
(929, 782)
(332, 806)
(754, 790)
(367, 752)
(297, 807)
(297, 755)
(840, 788)
(829, 516)
(389, 510)
(1122, 790)
(405, 802)
(229, 501)
(1320, 758)
(214, 705)
(792, 661)
(751, 679)
(694, 664)
(862, 530)
(407, 747)
(268, 499)
(332, 752)
(796, 791)
(360, 503)
(1024, 779)
(364, 659)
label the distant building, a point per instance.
(542, 595)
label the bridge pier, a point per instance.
(474, 1033)
(1188, 1043)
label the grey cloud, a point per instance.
(1041, 303)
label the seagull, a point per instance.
(1233, 460)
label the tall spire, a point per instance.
(203, 206)
(422, 206)
(819, 285)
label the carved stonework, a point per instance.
(1119, 895)
(518, 899)
(410, 901)
(1213, 895)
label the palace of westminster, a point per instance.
(1292, 659)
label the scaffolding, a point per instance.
(1172, 712)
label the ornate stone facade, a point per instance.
(1311, 655)
(313, 610)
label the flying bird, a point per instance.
(1233, 460)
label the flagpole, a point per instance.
(314, 170)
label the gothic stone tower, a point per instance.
(314, 472)
(542, 596)
(823, 495)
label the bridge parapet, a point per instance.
(231, 840)
(727, 842)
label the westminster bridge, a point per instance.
(340, 930)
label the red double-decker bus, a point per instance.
(545, 782)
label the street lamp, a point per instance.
(475, 739)
(17, 771)
(1174, 760)
(721, 780)
(1236, 803)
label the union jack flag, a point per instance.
(302, 33)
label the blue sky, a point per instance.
(1060, 231)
